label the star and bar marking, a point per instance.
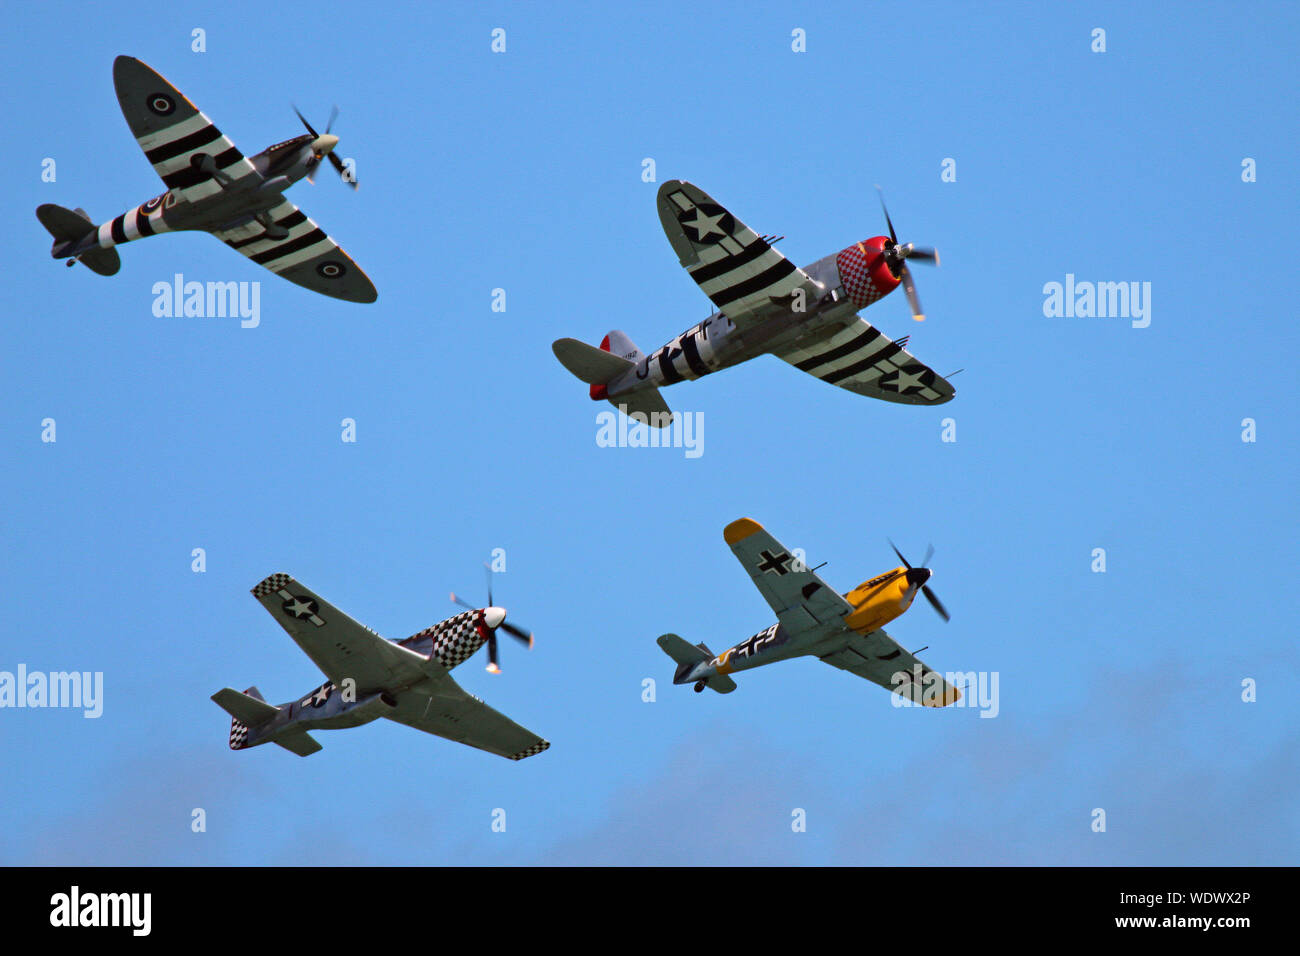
(300, 607)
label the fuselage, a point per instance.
(279, 167)
(331, 707)
(876, 602)
(854, 278)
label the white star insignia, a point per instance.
(706, 225)
(906, 380)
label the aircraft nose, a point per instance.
(324, 143)
(493, 616)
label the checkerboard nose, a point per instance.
(864, 273)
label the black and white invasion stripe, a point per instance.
(859, 355)
(138, 223)
(740, 273)
(304, 241)
(172, 151)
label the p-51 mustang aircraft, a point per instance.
(406, 681)
(213, 187)
(806, 317)
(846, 631)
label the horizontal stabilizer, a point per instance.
(299, 742)
(682, 652)
(70, 226)
(646, 402)
(65, 225)
(590, 364)
(721, 683)
(247, 710)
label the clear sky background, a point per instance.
(1119, 690)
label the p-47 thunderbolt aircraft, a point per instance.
(406, 681)
(807, 317)
(846, 631)
(213, 187)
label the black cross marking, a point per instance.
(774, 562)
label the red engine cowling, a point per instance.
(864, 273)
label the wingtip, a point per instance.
(950, 697)
(740, 529)
(270, 583)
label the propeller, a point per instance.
(494, 618)
(896, 256)
(917, 578)
(323, 146)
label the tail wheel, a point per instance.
(699, 686)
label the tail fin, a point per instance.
(71, 226)
(687, 656)
(618, 343)
(247, 710)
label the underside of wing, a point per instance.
(304, 254)
(739, 271)
(858, 357)
(878, 657)
(338, 645)
(801, 600)
(174, 135)
(446, 710)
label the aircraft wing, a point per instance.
(741, 273)
(340, 646)
(860, 358)
(171, 131)
(878, 657)
(800, 598)
(443, 708)
(306, 255)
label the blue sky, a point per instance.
(1119, 690)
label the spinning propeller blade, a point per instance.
(492, 612)
(328, 151)
(917, 578)
(897, 254)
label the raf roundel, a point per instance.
(161, 103)
(331, 269)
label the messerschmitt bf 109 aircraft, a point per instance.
(807, 317)
(369, 677)
(846, 631)
(213, 187)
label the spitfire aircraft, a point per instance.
(213, 187)
(369, 677)
(807, 317)
(845, 631)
